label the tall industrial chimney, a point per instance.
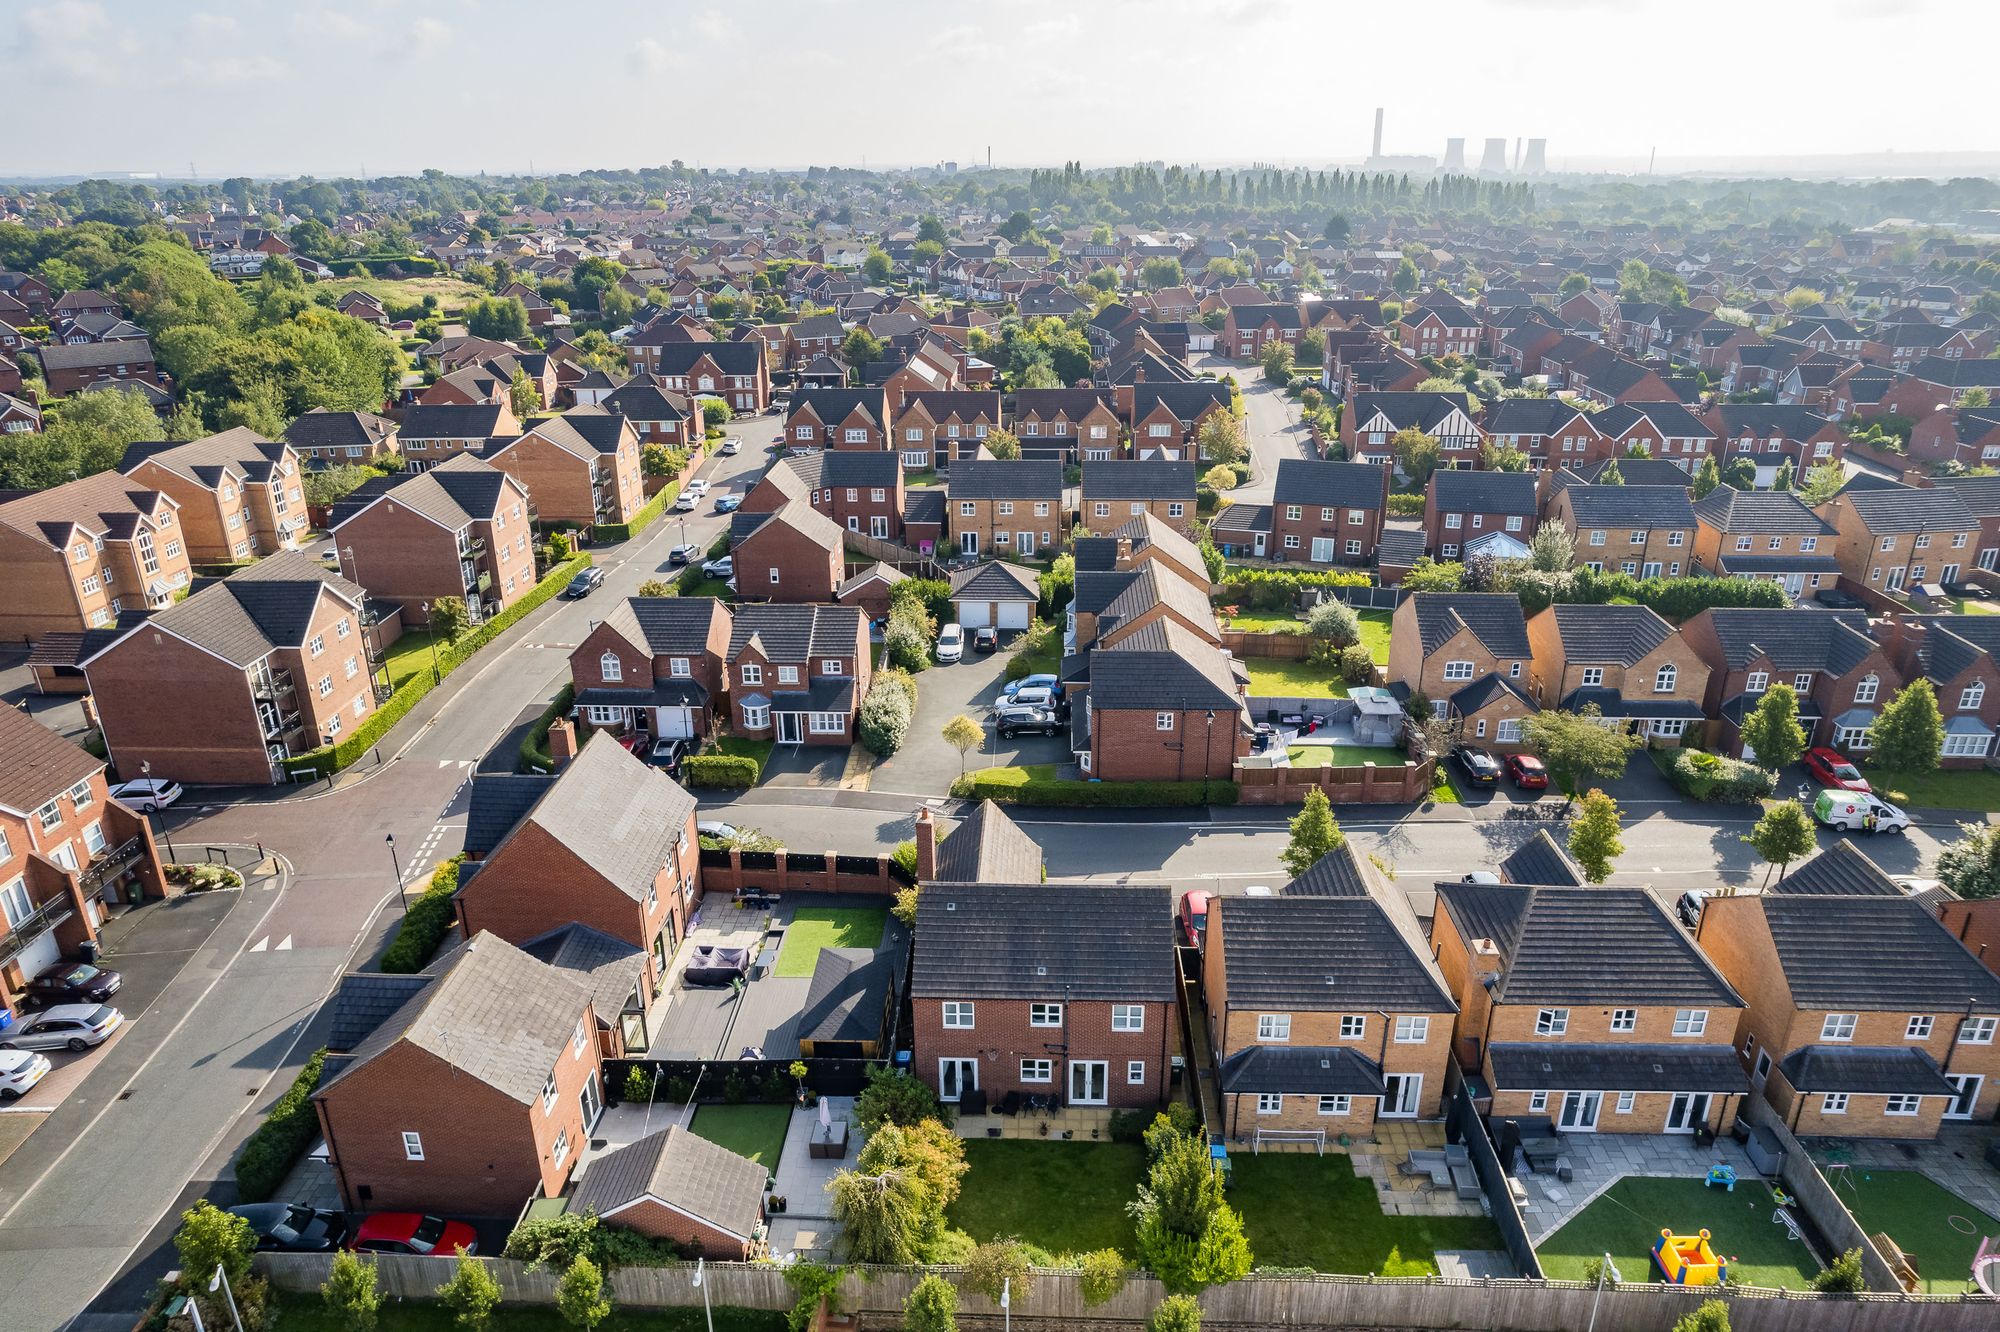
(1378, 132)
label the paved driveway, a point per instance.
(926, 765)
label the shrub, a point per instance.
(1842, 1276)
(932, 1306)
(894, 1098)
(815, 1284)
(902, 680)
(535, 745)
(1103, 1276)
(1356, 666)
(727, 772)
(282, 1138)
(1000, 785)
(906, 643)
(472, 1294)
(1279, 589)
(641, 520)
(1702, 776)
(1176, 1313)
(580, 1294)
(425, 922)
(1406, 506)
(349, 1292)
(1000, 1264)
(1333, 625)
(1129, 1125)
(639, 1084)
(884, 718)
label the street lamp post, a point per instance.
(151, 807)
(401, 895)
(702, 1286)
(430, 621)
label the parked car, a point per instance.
(698, 486)
(985, 640)
(1829, 767)
(1010, 719)
(1048, 682)
(1859, 811)
(293, 1227)
(1481, 876)
(20, 1070)
(1527, 773)
(1688, 906)
(584, 583)
(1192, 913)
(64, 1027)
(721, 832)
(950, 643)
(722, 568)
(683, 554)
(148, 794)
(72, 983)
(410, 1232)
(728, 503)
(1480, 767)
(667, 754)
(687, 502)
(731, 447)
(1041, 696)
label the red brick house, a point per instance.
(839, 418)
(1248, 329)
(1327, 513)
(1065, 425)
(68, 369)
(240, 494)
(934, 428)
(733, 373)
(1956, 654)
(582, 467)
(861, 492)
(655, 666)
(794, 553)
(797, 674)
(1167, 417)
(676, 1185)
(1663, 430)
(1841, 673)
(459, 530)
(1771, 434)
(1370, 423)
(333, 438)
(1162, 704)
(1439, 325)
(1551, 432)
(1462, 506)
(432, 434)
(659, 415)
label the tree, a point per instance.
(893, 1098)
(1338, 229)
(1772, 732)
(1278, 361)
(1416, 455)
(1593, 836)
(1842, 1276)
(1707, 477)
(1219, 478)
(1161, 272)
(1502, 458)
(1709, 1316)
(1909, 734)
(883, 1214)
(931, 230)
(1576, 747)
(715, 414)
(1332, 625)
(1822, 482)
(1002, 445)
(1221, 438)
(1552, 549)
(1431, 575)
(1611, 474)
(998, 1265)
(81, 436)
(878, 265)
(449, 618)
(501, 318)
(522, 396)
(1782, 835)
(209, 1238)
(1740, 474)
(1407, 277)
(1574, 284)
(860, 347)
(932, 1306)
(1970, 866)
(1976, 396)
(580, 1294)
(1176, 1313)
(965, 735)
(1314, 834)
(1101, 1276)
(349, 1292)
(1188, 1236)
(1787, 474)
(925, 253)
(472, 1294)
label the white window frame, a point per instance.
(1624, 1019)
(1045, 1014)
(1128, 1017)
(1838, 1027)
(413, 1145)
(1274, 1026)
(1038, 1070)
(957, 1014)
(1902, 1106)
(1270, 1103)
(1690, 1021)
(1551, 1021)
(1833, 1103)
(1919, 1027)
(1412, 1030)
(1353, 1027)
(1135, 1072)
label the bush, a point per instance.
(1701, 776)
(1001, 785)
(641, 520)
(1279, 589)
(1842, 1276)
(723, 772)
(1103, 1276)
(282, 1138)
(884, 718)
(1129, 1125)
(350, 1294)
(895, 1098)
(425, 922)
(1356, 666)
(906, 643)
(1406, 506)
(472, 1294)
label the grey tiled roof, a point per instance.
(1302, 1070)
(795, 633)
(1468, 490)
(497, 802)
(1015, 479)
(1081, 941)
(1636, 471)
(1399, 548)
(849, 994)
(988, 847)
(363, 1001)
(1153, 479)
(266, 605)
(616, 814)
(1839, 871)
(1627, 1066)
(1152, 586)
(1494, 618)
(681, 1169)
(611, 968)
(1865, 1069)
(452, 421)
(1794, 640)
(1164, 666)
(1631, 506)
(1540, 860)
(1760, 513)
(1584, 945)
(996, 580)
(1312, 482)
(1485, 690)
(667, 626)
(1900, 509)
(1874, 953)
(1607, 633)
(1307, 953)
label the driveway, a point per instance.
(926, 765)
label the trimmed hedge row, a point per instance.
(1080, 794)
(1278, 589)
(729, 772)
(535, 745)
(1703, 776)
(425, 923)
(329, 759)
(282, 1138)
(641, 520)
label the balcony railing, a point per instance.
(277, 724)
(33, 926)
(273, 686)
(111, 864)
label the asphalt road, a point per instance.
(1272, 429)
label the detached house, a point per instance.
(1248, 329)
(73, 367)
(1768, 534)
(1440, 326)
(458, 530)
(659, 415)
(793, 553)
(1371, 422)
(655, 666)
(935, 428)
(1624, 660)
(1956, 654)
(1840, 673)
(1114, 493)
(1163, 704)
(862, 492)
(1326, 512)
(1014, 507)
(1464, 507)
(731, 372)
(1167, 418)
(239, 493)
(1893, 537)
(797, 674)
(1467, 654)
(1645, 531)
(1063, 425)
(838, 418)
(1549, 431)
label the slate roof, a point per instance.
(1872, 954)
(1630, 506)
(667, 626)
(1670, 419)
(1485, 690)
(1839, 871)
(834, 405)
(1465, 490)
(1628, 1066)
(1151, 586)
(40, 764)
(848, 995)
(615, 814)
(1149, 530)
(496, 803)
(798, 514)
(461, 490)
(795, 633)
(1081, 941)
(682, 1170)
(1530, 416)
(452, 421)
(1835, 641)
(988, 847)
(861, 468)
(1314, 483)
(1759, 512)
(1164, 666)
(1539, 860)
(1608, 633)
(1584, 946)
(1399, 547)
(1186, 400)
(1494, 618)
(1902, 509)
(1636, 471)
(1423, 409)
(996, 580)
(611, 968)
(1980, 494)
(1864, 1069)
(1302, 1070)
(263, 606)
(1016, 479)
(1150, 479)
(321, 428)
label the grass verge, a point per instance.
(1940, 788)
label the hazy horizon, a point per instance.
(502, 86)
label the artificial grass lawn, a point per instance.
(755, 1132)
(1940, 788)
(1314, 1211)
(1273, 678)
(408, 656)
(1066, 1197)
(1627, 1218)
(1915, 1211)
(308, 1313)
(1309, 755)
(814, 928)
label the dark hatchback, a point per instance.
(293, 1227)
(1480, 767)
(73, 983)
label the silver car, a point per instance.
(64, 1027)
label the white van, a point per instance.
(1858, 811)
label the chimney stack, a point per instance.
(926, 846)
(1378, 132)
(562, 742)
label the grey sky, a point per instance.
(274, 88)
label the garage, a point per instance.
(673, 723)
(40, 955)
(995, 595)
(1016, 614)
(974, 614)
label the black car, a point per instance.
(73, 983)
(585, 582)
(1480, 767)
(293, 1227)
(985, 640)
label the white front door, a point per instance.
(1401, 1094)
(1968, 1085)
(591, 1103)
(957, 1077)
(1089, 1080)
(1688, 1112)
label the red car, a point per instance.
(1193, 916)
(1830, 768)
(1527, 773)
(409, 1232)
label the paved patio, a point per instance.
(1599, 1160)
(806, 1227)
(1956, 1161)
(1376, 1158)
(1081, 1123)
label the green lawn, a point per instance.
(1314, 1211)
(1626, 1219)
(407, 656)
(1968, 606)
(1960, 788)
(1916, 1212)
(1443, 792)
(742, 748)
(1019, 775)
(814, 928)
(1273, 678)
(708, 587)
(1374, 629)
(1346, 756)
(1066, 1197)
(756, 1132)
(308, 1313)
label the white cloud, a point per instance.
(714, 25)
(428, 32)
(69, 37)
(649, 57)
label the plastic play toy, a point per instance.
(1721, 1174)
(1687, 1260)
(1986, 1266)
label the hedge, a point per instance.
(1674, 599)
(641, 520)
(1702, 776)
(1006, 790)
(329, 759)
(282, 1138)
(1278, 589)
(425, 923)
(732, 772)
(535, 745)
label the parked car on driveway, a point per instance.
(410, 1232)
(722, 568)
(1480, 767)
(985, 640)
(950, 643)
(1527, 773)
(1859, 811)
(667, 754)
(64, 1027)
(1831, 768)
(683, 554)
(1688, 906)
(293, 1227)
(1192, 913)
(73, 983)
(721, 832)
(1048, 682)
(1041, 696)
(147, 794)
(1010, 719)
(584, 583)
(20, 1070)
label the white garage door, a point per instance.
(1014, 614)
(674, 723)
(40, 955)
(975, 614)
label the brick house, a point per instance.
(239, 493)
(1163, 704)
(477, 1093)
(1063, 989)
(1765, 534)
(733, 373)
(432, 434)
(1549, 431)
(1645, 531)
(1866, 1018)
(1370, 423)
(75, 556)
(1772, 434)
(1324, 1011)
(582, 467)
(861, 492)
(1956, 654)
(1167, 417)
(1143, 540)
(1663, 430)
(1114, 493)
(838, 418)
(935, 428)
(1462, 506)
(608, 843)
(1968, 436)
(274, 661)
(1624, 660)
(1325, 513)
(655, 666)
(1248, 329)
(68, 368)
(812, 337)
(1439, 326)
(1067, 424)
(1468, 655)
(1893, 537)
(331, 438)
(1112, 605)
(659, 415)
(676, 1185)
(1015, 507)
(1841, 674)
(797, 674)
(66, 851)
(1645, 1046)
(460, 529)
(792, 554)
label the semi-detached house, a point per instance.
(1769, 535)
(1645, 531)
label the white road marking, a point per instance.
(285, 946)
(260, 945)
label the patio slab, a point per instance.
(1599, 1160)
(801, 1177)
